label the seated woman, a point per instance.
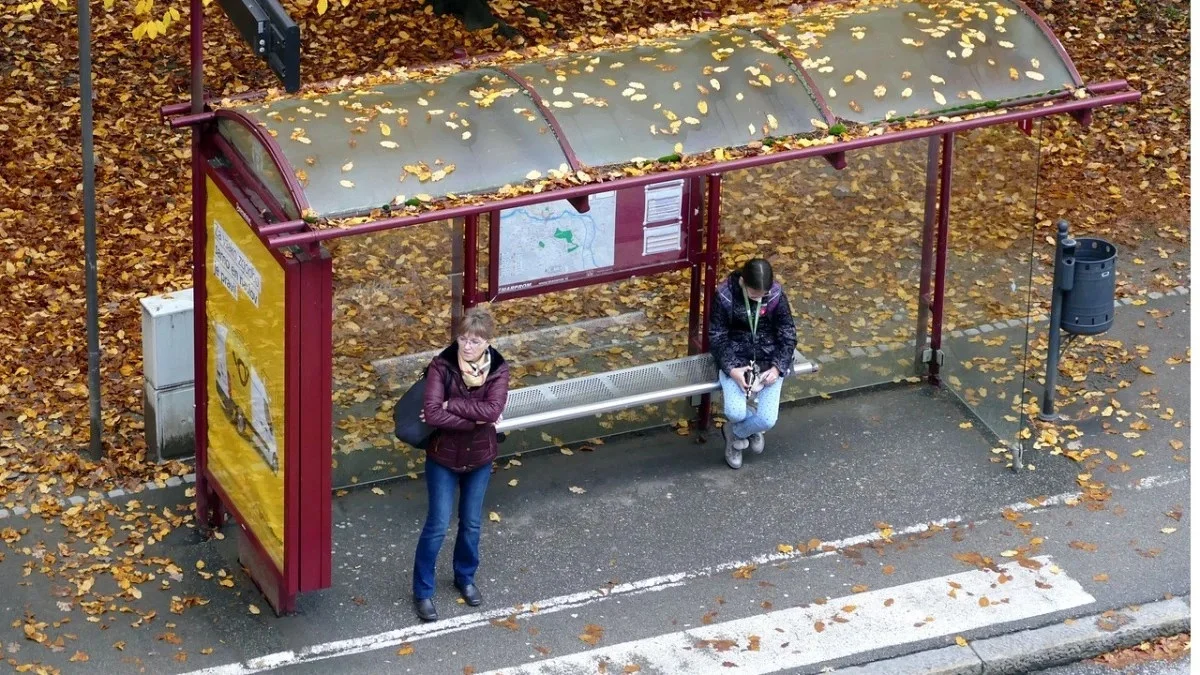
(465, 395)
(752, 336)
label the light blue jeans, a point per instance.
(742, 422)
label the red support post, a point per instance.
(695, 229)
(943, 242)
(471, 262)
(923, 299)
(712, 258)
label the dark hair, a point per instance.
(758, 275)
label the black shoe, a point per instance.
(425, 609)
(470, 593)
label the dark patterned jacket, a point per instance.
(729, 337)
(461, 443)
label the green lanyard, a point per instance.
(752, 317)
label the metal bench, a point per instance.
(618, 390)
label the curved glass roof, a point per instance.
(758, 76)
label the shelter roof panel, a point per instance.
(258, 160)
(359, 149)
(879, 60)
(695, 93)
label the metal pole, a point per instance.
(943, 244)
(89, 228)
(923, 299)
(207, 514)
(1064, 273)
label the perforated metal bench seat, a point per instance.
(618, 390)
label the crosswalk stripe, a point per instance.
(845, 626)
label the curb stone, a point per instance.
(1046, 647)
(111, 495)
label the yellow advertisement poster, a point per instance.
(245, 301)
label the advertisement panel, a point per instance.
(245, 375)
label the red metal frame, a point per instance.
(696, 262)
(943, 241)
(249, 178)
(471, 261)
(712, 259)
(923, 298)
(295, 190)
(301, 238)
(572, 158)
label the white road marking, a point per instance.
(790, 638)
(392, 638)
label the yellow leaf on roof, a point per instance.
(533, 175)
(385, 129)
(390, 145)
(346, 183)
(1034, 75)
(679, 148)
(466, 135)
(861, 75)
(702, 106)
(937, 79)
(715, 84)
(347, 166)
(772, 122)
(937, 96)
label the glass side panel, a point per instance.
(700, 92)
(258, 161)
(987, 307)
(846, 245)
(362, 148)
(876, 61)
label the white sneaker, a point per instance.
(757, 442)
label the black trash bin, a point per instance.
(1088, 306)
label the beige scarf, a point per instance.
(475, 373)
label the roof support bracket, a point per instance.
(580, 204)
(836, 159)
(1026, 126)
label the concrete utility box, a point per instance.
(169, 369)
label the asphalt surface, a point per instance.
(658, 504)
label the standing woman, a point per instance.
(752, 336)
(465, 393)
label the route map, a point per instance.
(552, 239)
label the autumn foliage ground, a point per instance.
(1126, 178)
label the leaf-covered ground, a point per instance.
(1126, 178)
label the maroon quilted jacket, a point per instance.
(466, 437)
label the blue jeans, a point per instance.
(443, 484)
(742, 423)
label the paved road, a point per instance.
(669, 558)
(1177, 667)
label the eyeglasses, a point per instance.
(471, 341)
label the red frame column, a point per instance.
(943, 242)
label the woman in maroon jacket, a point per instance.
(465, 393)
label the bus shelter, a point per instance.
(342, 227)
